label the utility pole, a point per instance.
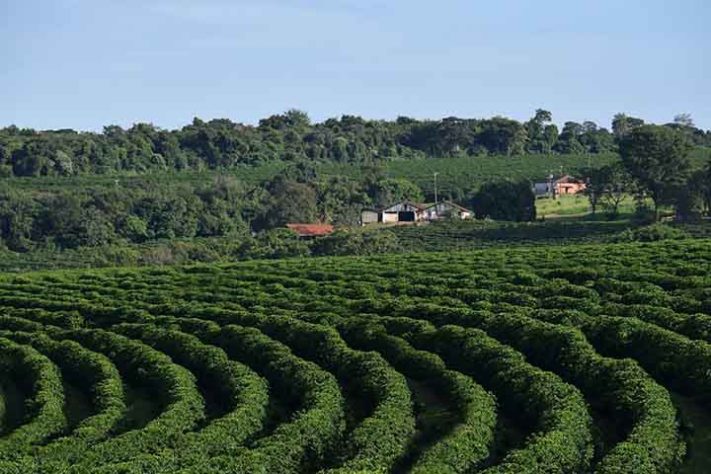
(435, 187)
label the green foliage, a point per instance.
(694, 199)
(387, 191)
(291, 201)
(275, 243)
(608, 186)
(468, 443)
(241, 394)
(658, 159)
(651, 233)
(290, 137)
(40, 379)
(562, 439)
(356, 242)
(533, 358)
(506, 200)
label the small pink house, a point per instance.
(568, 185)
(565, 184)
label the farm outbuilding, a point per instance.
(311, 230)
(543, 188)
(370, 216)
(403, 212)
(408, 212)
(445, 210)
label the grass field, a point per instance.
(547, 358)
(578, 205)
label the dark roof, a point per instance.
(419, 207)
(450, 203)
(311, 230)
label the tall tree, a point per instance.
(684, 120)
(290, 201)
(569, 140)
(618, 188)
(387, 191)
(540, 139)
(693, 199)
(657, 158)
(597, 181)
(504, 136)
(505, 200)
(623, 124)
(16, 220)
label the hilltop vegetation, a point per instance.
(129, 187)
(291, 137)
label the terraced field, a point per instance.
(579, 358)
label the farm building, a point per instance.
(369, 216)
(311, 230)
(446, 209)
(565, 184)
(407, 212)
(402, 212)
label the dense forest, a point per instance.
(292, 137)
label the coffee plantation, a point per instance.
(578, 358)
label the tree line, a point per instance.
(142, 212)
(292, 137)
(654, 164)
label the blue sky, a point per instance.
(86, 63)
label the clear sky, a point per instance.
(86, 63)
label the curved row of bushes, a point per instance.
(381, 437)
(39, 378)
(694, 326)
(556, 412)
(97, 377)
(242, 395)
(171, 386)
(318, 422)
(468, 443)
(579, 312)
(620, 385)
(310, 395)
(670, 357)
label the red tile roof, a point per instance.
(311, 230)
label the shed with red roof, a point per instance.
(311, 230)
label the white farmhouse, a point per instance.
(446, 209)
(408, 212)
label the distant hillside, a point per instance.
(456, 176)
